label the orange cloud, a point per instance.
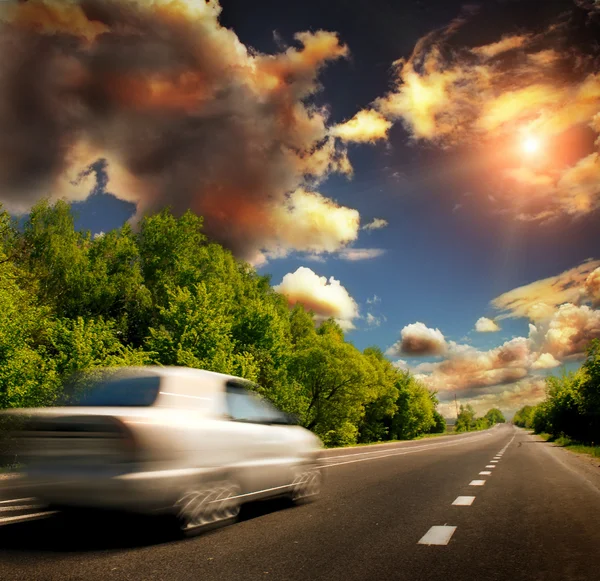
(326, 298)
(530, 391)
(504, 45)
(491, 94)
(540, 299)
(366, 126)
(469, 369)
(568, 332)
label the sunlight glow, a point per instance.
(531, 145)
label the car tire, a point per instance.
(306, 486)
(208, 505)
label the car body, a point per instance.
(187, 442)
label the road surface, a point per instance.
(493, 505)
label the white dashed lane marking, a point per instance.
(441, 535)
(437, 535)
(464, 501)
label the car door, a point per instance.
(265, 464)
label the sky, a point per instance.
(428, 173)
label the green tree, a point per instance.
(465, 421)
(494, 416)
(439, 426)
(331, 373)
(415, 409)
(524, 417)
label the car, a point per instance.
(188, 443)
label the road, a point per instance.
(533, 515)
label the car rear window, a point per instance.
(124, 392)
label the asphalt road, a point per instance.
(535, 517)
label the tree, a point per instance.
(415, 409)
(524, 417)
(439, 426)
(494, 416)
(71, 304)
(332, 376)
(465, 421)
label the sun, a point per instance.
(531, 144)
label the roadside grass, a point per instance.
(572, 445)
(423, 437)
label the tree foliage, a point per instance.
(164, 294)
(467, 420)
(572, 404)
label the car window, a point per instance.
(243, 405)
(125, 392)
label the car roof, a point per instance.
(173, 371)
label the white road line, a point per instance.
(485, 473)
(437, 535)
(19, 507)
(16, 500)
(493, 461)
(491, 466)
(477, 483)
(401, 453)
(463, 501)
(10, 519)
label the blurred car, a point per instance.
(184, 442)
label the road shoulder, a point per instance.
(585, 466)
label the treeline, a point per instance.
(165, 294)
(572, 405)
(467, 421)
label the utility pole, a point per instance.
(456, 404)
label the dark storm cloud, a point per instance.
(183, 113)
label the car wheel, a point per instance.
(307, 485)
(208, 505)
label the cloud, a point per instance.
(354, 254)
(326, 298)
(400, 364)
(376, 224)
(592, 287)
(545, 361)
(506, 44)
(374, 300)
(183, 115)
(366, 126)
(568, 332)
(485, 325)
(540, 299)
(372, 320)
(544, 85)
(530, 391)
(468, 369)
(417, 340)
